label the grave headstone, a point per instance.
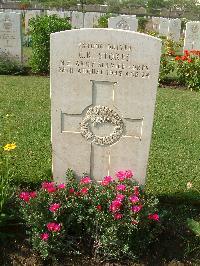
(29, 15)
(156, 22)
(11, 35)
(103, 92)
(77, 19)
(124, 22)
(174, 29)
(163, 27)
(192, 36)
(60, 14)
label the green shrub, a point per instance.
(166, 68)
(40, 30)
(10, 66)
(188, 69)
(113, 220)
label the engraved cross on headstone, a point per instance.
(102, 135)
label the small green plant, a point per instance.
(10, 66)
(40, 30)
(103, 21)
(113, 219)
(188, 69)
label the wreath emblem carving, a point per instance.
(97, 115)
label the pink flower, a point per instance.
(49, 186)
(25, 196)
(136, 190)
(120, 197)
(44, 236)
(51, 189)
(136, 209)
(54, 227)
(118, 216)
(129, 173)
(133, 199)
(33, 194)
(61, 186)
(84, 190)
(85, 180)
(121, 187)
(71, 190)
(106, 181)
(46, 185)
(154, 216)
(54, 207)
(115, 205)
(122, 175)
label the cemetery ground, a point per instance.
(173, 170)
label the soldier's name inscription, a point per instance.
(104, 59)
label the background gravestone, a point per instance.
(124, 22)
(60, 14)
(174, 29)
(29, 15)
(11, 35)
(192, 36)
(77, 19)
(156, 22)
(103, 92)
(163, 27)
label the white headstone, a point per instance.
(163, 27)
(29, 15)
(60, 14)
(88, 20)
(11, 35)
(123, 22)
(103, 92)
(192, 36)
(77, 19)
(174, 29)
(156, 22)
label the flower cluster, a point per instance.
(188, 56)
(9, 146)
(188, 68)
(26, 196)
(113, 202)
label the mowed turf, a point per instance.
(175, 150)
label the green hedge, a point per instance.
(40, 30)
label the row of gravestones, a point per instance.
(172, 28)
(11, 32)
(77, 19)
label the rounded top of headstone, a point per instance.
(97, 31)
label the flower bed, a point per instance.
(113, 219)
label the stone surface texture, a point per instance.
(11, 35)
(103, 93)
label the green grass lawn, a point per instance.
(175, 150)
